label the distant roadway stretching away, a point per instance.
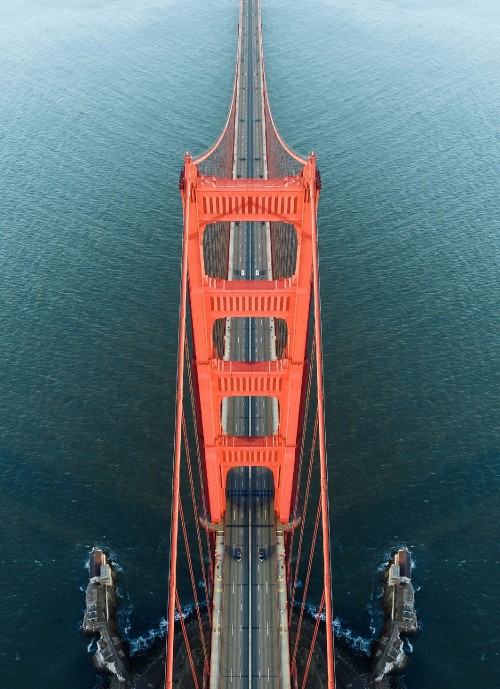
(249, 627)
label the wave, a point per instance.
(389, 554)
(124, 614)
(354, 641)
(145, 641)
(376, 614)
(407, 646)
(110, 554)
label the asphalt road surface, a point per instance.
(250, 339)
(249, 636)
(250, 652)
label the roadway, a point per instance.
(250, 650)
(249, 626)
(250, 339)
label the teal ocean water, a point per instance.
(98, 101)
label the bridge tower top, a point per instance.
(288, 202)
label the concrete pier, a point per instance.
(400, 618)
(100, 607)
(148, 670)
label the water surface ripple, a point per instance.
(98, 101)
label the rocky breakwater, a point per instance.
(400, 619)
(99, 619)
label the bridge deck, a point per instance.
(250, 649)
(249, 628)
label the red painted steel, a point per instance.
(291, 200)
(323, 463)
(174, 528)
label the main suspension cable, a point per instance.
(322, 440)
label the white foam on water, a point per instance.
(113, 559)
(186, 611)
(376, 615)
(387, 557)
(143, 642)
(389, 554)
(407, 646)
(110, 554)
(313, 610)
(354, 641)
(124, 614)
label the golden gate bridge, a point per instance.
(250, 492)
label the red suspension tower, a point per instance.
(250, 190)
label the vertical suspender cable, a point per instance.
(306, 584)
(177, 450)
(186, 640)
(195, 424)
(196, 521)
(313, 641)
(299, 477)
(302, 526)
(304, 423)
(193, 582)
(198, 453)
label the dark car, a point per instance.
(262, 554)
(238, 553)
